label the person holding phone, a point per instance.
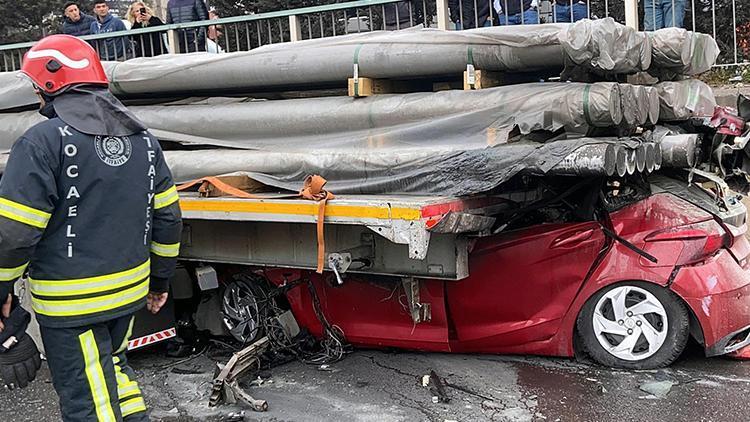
(146, 45)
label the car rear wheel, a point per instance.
(634, 325)
(241, 308)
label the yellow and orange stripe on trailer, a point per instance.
(432, 212)
(296, 208)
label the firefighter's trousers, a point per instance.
(90, 372)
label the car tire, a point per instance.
(634, 325)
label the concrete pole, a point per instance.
(631, 14)
(295, 30)
(443, 17)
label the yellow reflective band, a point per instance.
(79, 307)
(131, 406)
(24, 214)
(129, 389)
(166, 250)
(122, 379)
(168, 197)
(124, 344)
(10, 274)
(95, 376)
(91, 284)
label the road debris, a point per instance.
(437, 388)
(659, 389)
(225, 388)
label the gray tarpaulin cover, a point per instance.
(684, 99)
(677, 51)
(453, 119)
(602, 46)
(450, 142)
(443, 171)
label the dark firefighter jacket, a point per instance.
(95, 218)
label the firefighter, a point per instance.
(89, 209)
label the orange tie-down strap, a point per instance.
(312, 189)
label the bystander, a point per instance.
(516, 12)
(145, 45)
(567, 12)
(76, 23)
(660, 14)
(468, 14)
(183, 11)
(116, 47)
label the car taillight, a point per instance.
(699, 240)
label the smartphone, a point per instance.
(142, 11)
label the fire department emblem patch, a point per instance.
(113, 150)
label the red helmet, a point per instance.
(59, 61)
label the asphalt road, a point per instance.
(379, 386)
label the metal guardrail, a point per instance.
(243, 33)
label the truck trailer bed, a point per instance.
(377, 234)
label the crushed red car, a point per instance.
(625, 273)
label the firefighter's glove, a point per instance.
(19, 357)
(19, 363)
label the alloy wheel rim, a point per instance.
(630, 323)
(240, 311)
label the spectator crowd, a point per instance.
(140, 15)
(464, 14)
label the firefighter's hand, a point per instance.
(154, 301)
(5, 311)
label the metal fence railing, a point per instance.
(728, 21)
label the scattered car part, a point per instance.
(225, 389)
(420, 312)
(207, 279)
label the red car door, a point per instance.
(520, 286)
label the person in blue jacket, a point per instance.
(115, 48)
(76, 23)
(183, 11)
